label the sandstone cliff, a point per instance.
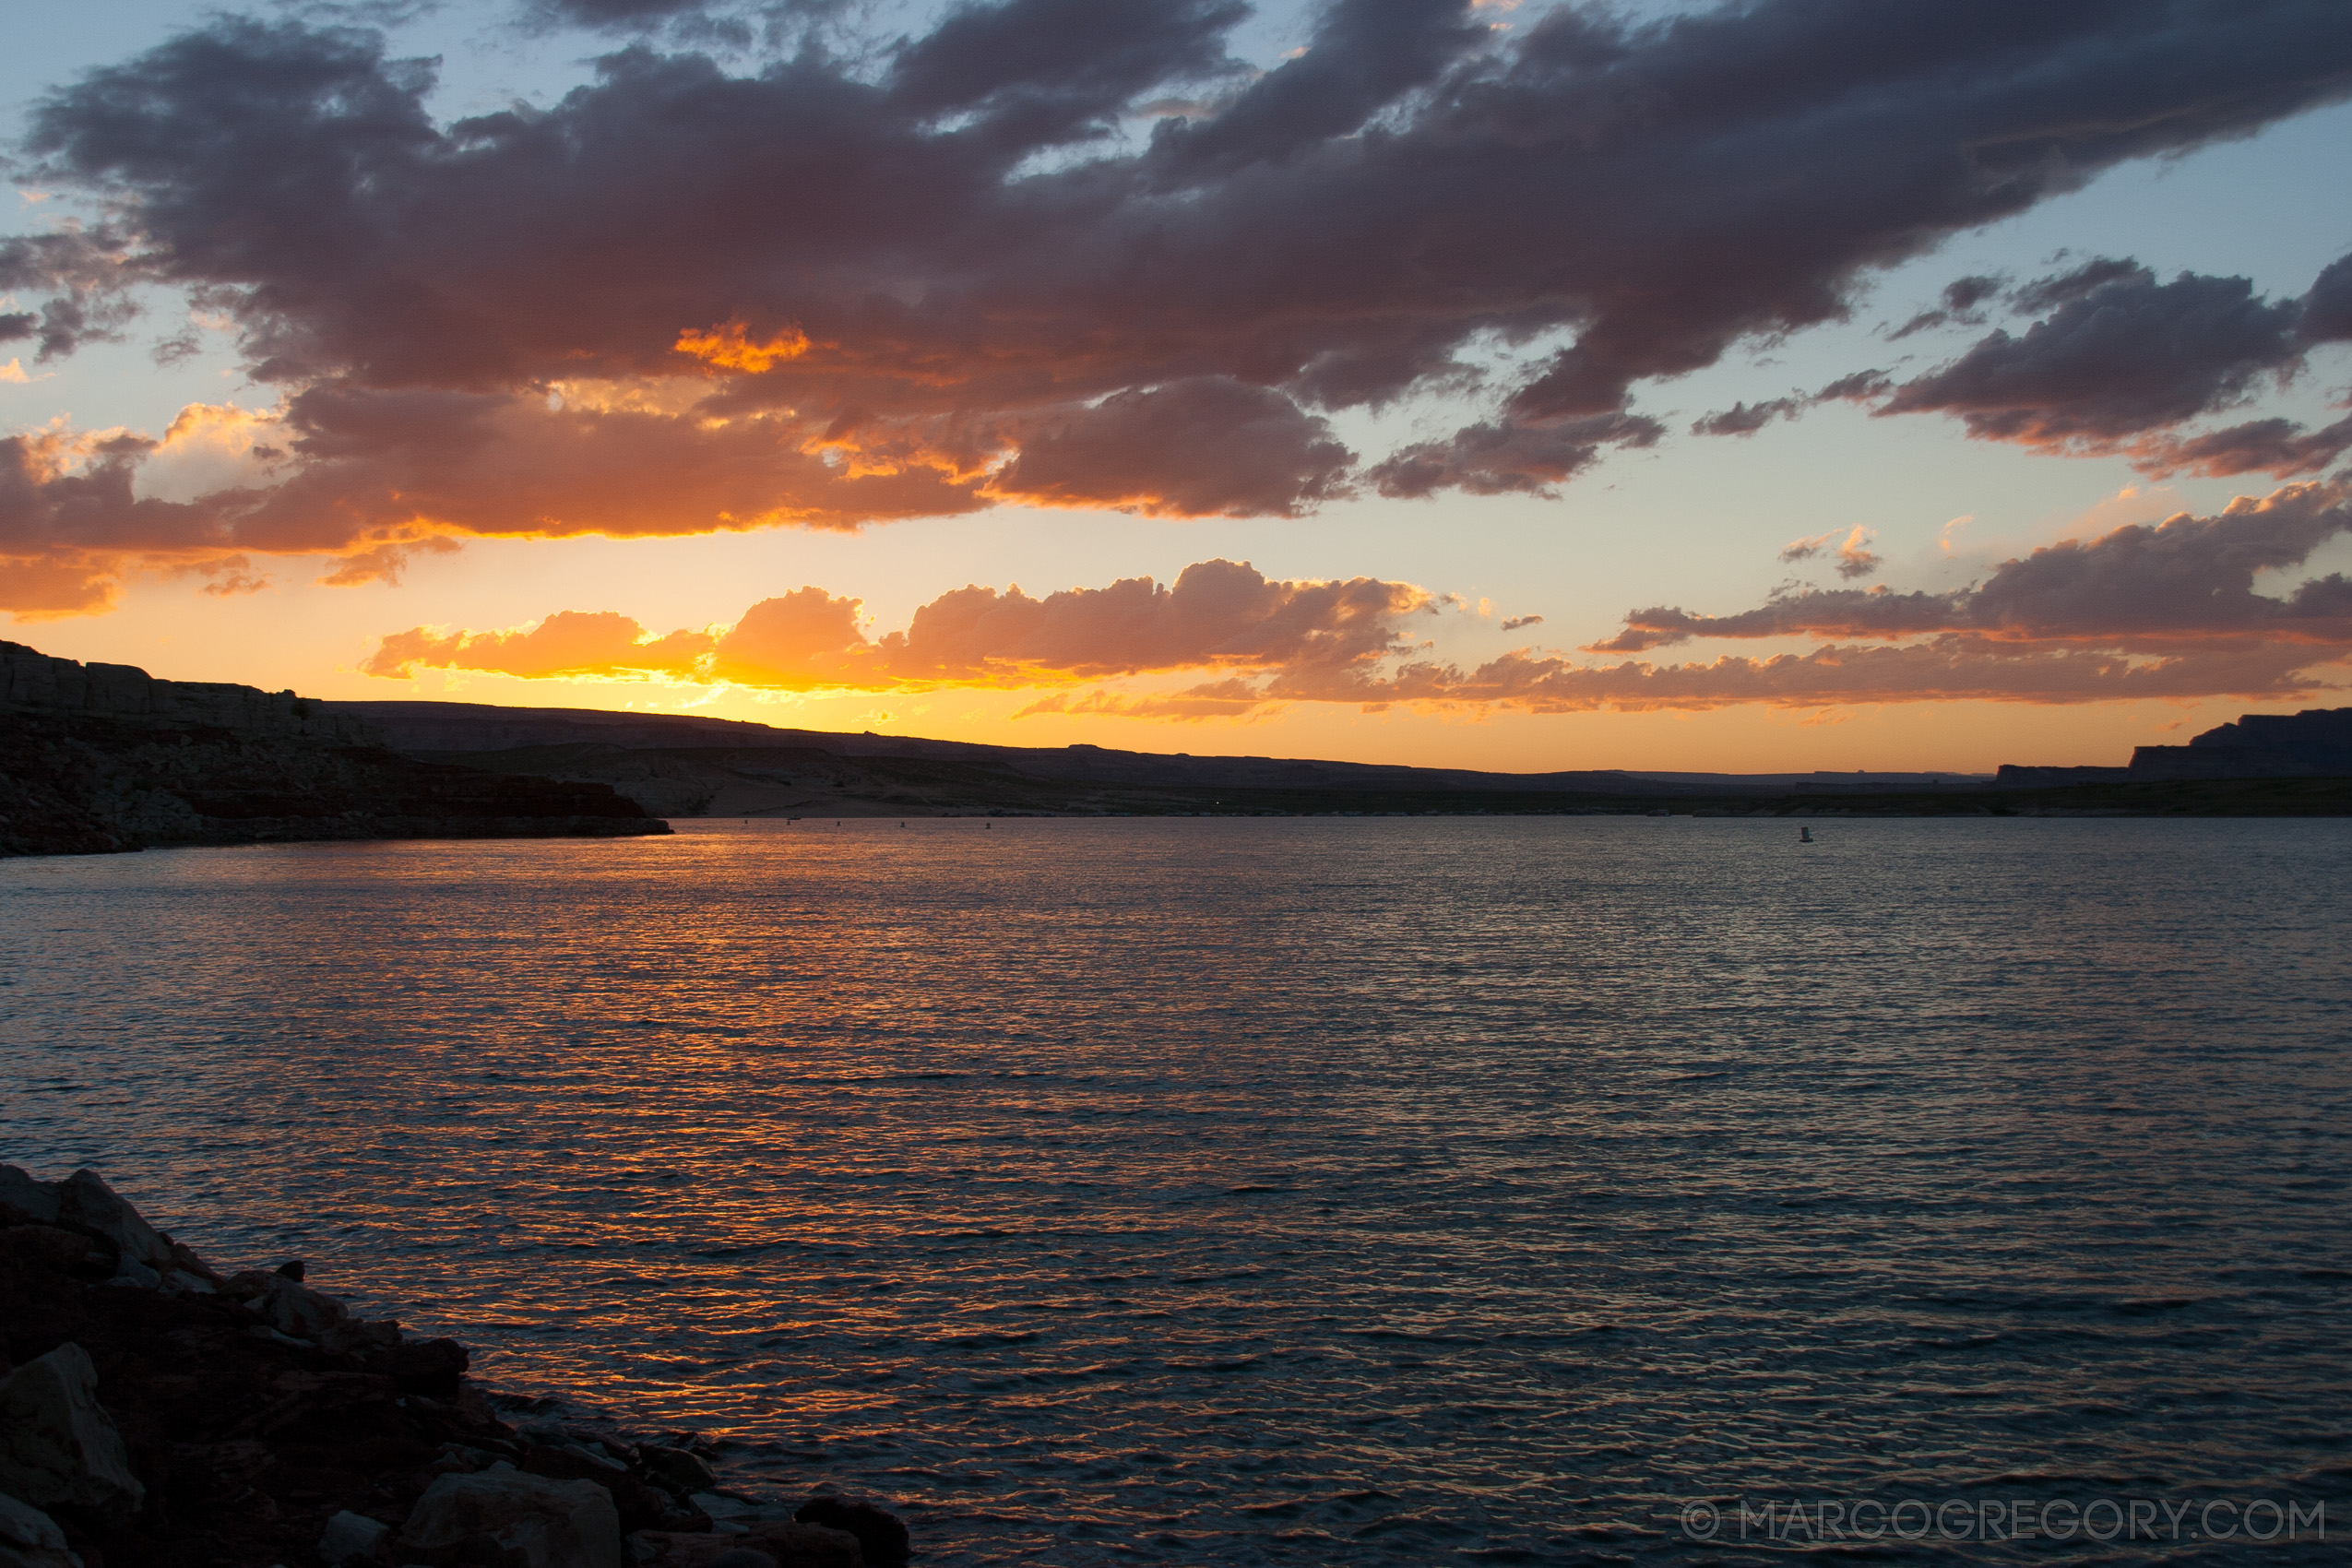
(103, 757)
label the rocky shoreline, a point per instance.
(155, 1411)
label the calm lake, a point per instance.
(1301, 1191)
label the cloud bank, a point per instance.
(2170, 611)
(957, 272)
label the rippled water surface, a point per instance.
(1280, 1191)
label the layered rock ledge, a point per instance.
(154, 1411)
(104, 757)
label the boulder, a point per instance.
(428, 1366)
(45, 1246)
(30, 1538)
(680, 1471)
(129, 1271)
(37, 1201)
(287, 1306)
(358, 1334)
(640, 1506)
(782, 1545)
(500, 1515)
(57, 1444)
(184, 1258)
(353, 1537)
(85, 1200)
(804, 1546)
(880, 1533)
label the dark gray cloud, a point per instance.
(2273, 445)
(1039, 72)
(1962, 297)
(2065, 287)
(1505, 458)
(1593, 175)
(2118, 363)
(877, 248)
(2112, 359)
(1746, 419)
(2189, 581)
(1209, 446)
(613, 13)
(1362, 57)
(2327, 309)
(86, 275)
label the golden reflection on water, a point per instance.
(1258, 1185)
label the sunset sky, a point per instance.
(1773, 387)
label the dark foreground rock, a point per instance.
(103, 757)
(156, 1411)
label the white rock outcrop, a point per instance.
(58, 1443)
(86, 1200)
(30, 1538)
(36, 1200)
(533, 1522)
(353, 1537)
(288, 1305)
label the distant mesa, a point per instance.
(100, 757)
(2314, 743)
(687, 766)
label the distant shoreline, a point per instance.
(2195, 798)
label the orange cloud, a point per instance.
(2167, 612)
(729, 346)
(1216, 615)
(1234, 699)
(42, 589)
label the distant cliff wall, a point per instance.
(33, 682)
(2314, 743)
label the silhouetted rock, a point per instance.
(880, 1533)
(683, 1471)
(253, 1419)
(785, 1545)
(433, 1367)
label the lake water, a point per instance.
(1303, 1191)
